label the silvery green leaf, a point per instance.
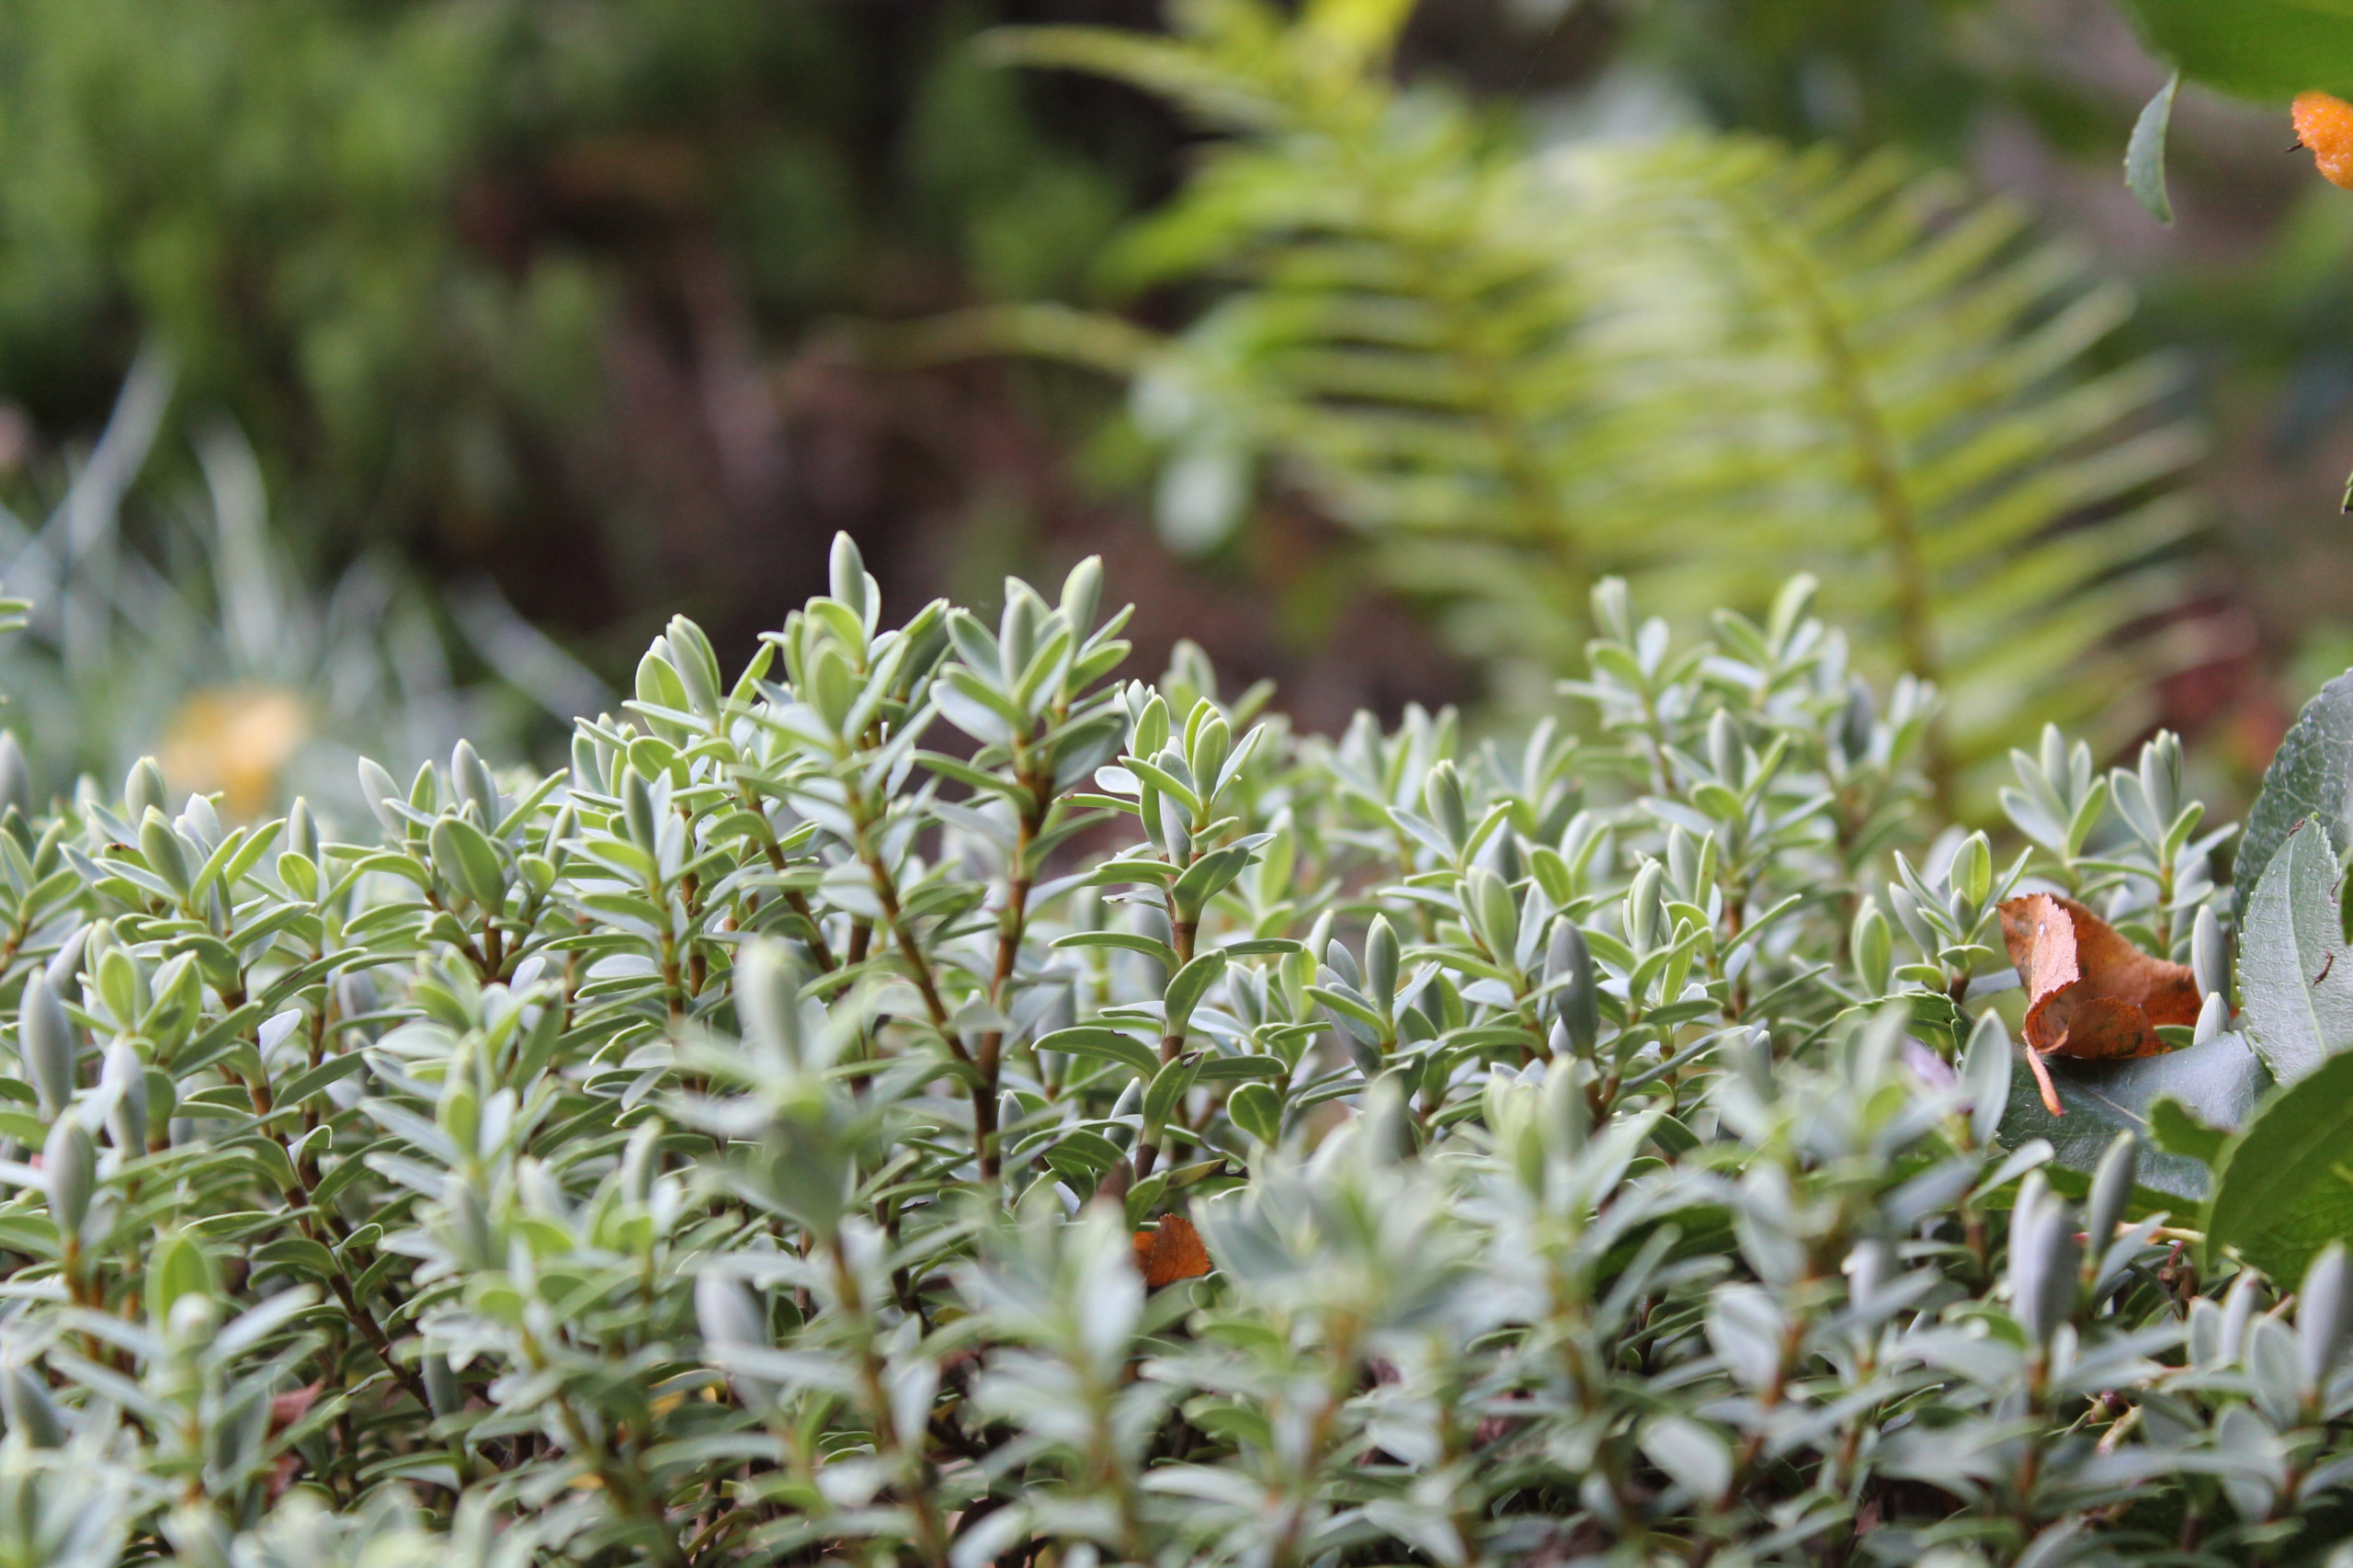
(1442, 799)
(64, 965)
(68, 1173)
(465, 855)
(2043, 1261)
(1986, 1067)
(16, 774)
(2323, 1316)
(376, 787)
(1693, 1456)
(447, 1394)
(767, 997)
(993, 1536)
(2297, 997)
(727, 1313)
(27, 1410)
(123, 1079)
(2111, 1190)
(912, 1386)
(143, 790)
(1747, 1330)
(2219, 1082)
(2145, 153)
(1189, 984)
(45, 1042)
(2275, 1370)
(2208, 953)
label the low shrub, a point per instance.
(1131, 1131)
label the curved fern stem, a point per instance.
(1879, 464)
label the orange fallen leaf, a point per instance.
(2090, 993)
(1171, 1253)
(2325, 128)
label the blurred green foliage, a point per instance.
(483, 279)
(1868, 71)
(2257, 49)
(392, 238)
(1700, 361)
(175, 619)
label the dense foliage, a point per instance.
(733, 1148)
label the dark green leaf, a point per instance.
(1149, 946)
(1101, 1045)
(2267, 49)
(2307, 777)
(1189, 985)
(319, 1077)
(2280, 1188)
(1082, 1153)
(1210, 875)
(1168, 1087)
(1257, 1110)
(2295, 981)
(2219, 1082)
(1220, 1068)
(2178, 1131)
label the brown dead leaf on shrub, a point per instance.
(288, 1408)
(1171, 1253)
(2090, 993)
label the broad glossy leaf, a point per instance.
(2307, 779)
(2176, 1132)
(2219, 1082)
(2295, 981)
(2280, 1193)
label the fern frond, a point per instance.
(1924, 359)
(1707, 363)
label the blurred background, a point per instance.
(376, 370)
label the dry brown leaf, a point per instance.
(1171, 1253)
(2090, 993)
(288, 1408)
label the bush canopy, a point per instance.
(927, 1099)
